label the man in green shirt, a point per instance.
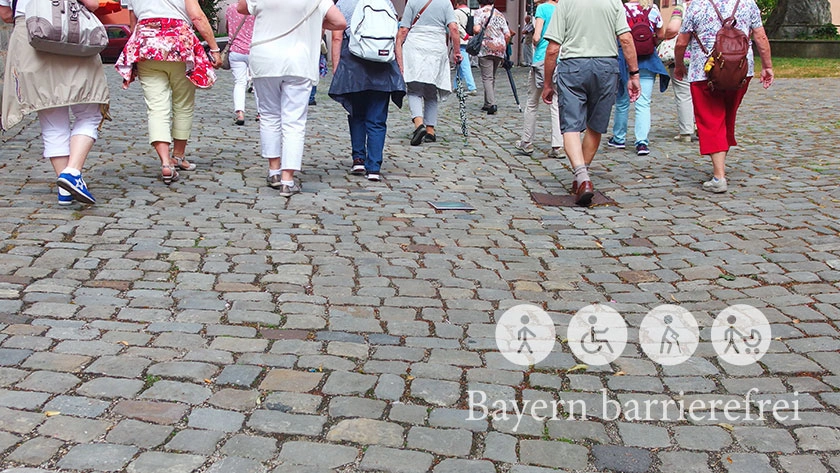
(587, 77)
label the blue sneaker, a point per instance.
(76, 186)
(64, 198)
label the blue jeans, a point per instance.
(464, 71)
(367, 127)
(642, 105)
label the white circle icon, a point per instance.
(669, 335)
(597, 335)
(741, 334)
(525, 334)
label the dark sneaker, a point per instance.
(491, 110)
(642, 149)
(64, 197)
(358, 167)
(429, 138)
(417, 136)
(274, 181)
(612, 143)
(288, 191)
(76, 186)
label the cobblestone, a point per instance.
(342, 328)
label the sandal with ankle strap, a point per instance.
(179, 161)
(172, 177)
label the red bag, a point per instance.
(642, 31)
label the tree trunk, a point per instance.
(792, 18)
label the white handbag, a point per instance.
(64, 27)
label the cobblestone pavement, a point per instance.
(215, 326)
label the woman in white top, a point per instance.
(285, 50)
(54, 85)
(164, 53)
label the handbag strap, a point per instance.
(417, 16)
(275, 38)
(236, 33)
(492, 10)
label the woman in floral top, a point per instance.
(493, 49)
(164, 53)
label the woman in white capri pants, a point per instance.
(54, 86)
(285, 50)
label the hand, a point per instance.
(456, 56)
(767, 77)
(217, 59)
(634, 89)
(548, 94)
(679, 70)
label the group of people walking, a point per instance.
(576, 69)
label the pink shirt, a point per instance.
(242, 42)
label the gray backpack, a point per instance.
(64, 27)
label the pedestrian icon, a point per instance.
(525, 334)
(597, 335)
(741, 335)
(669, 335)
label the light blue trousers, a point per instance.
(642, 105)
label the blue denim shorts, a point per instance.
(587, 89)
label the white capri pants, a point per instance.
(284, 103)
(56, 130)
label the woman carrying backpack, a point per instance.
(364, 88)
(54, 86)
(715, 108)
(646, 14)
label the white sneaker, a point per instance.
(524, 148)
(718, 186)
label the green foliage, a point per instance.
(827, 31)
(211, 10)
(766, 7)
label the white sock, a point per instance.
(274, 172)
(287, 183)
(72, 171)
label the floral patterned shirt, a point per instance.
(494, 43)
(700, 18)
(166, 39)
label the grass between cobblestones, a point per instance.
(802, 68)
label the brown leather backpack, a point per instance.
(727, 64)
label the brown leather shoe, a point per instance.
(574, 187)
(583, 196)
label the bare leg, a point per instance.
(591, 142)
(574, 149)
(417, 121)
(59, 163)
(719, 164)
(80, 146)
(287, 175)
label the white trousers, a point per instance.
(284, 102)
(533, 103)
(239, 67)
(56, 129)
(682, 99)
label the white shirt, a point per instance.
(144, 9)
(293, 55)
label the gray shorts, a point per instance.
(587, 89)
